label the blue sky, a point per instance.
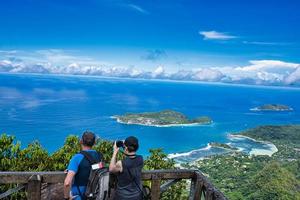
(173, 34)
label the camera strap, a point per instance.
(137, 185)
(127, 154)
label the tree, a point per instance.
(274, 182)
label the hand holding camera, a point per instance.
(120, 143)
(117, 145)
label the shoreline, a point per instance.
(270, 110)
(253, 151)
(174, 155)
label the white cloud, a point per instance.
(36, 97)
(266, 43)
(269, 65)
(214, 35)
(137, 8)
(159, 72)
(206, 74)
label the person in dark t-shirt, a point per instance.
(128, 171)
(79, 168)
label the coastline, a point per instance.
(270, 110)
(255, 151)
(186, 156)
(174, 155)
(268, 151)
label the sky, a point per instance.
(249, 41)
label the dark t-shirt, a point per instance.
(127, 187)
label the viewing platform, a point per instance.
(38, 184)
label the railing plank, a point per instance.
(22, 177)
(168, 174)
(58, 177)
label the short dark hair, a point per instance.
(88, 138)
(132, 143)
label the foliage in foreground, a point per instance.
(35, 158)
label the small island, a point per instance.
(222, 145)
(161, 119)
(272, 107)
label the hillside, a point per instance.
(241, 176)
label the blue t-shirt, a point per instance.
(81, 167)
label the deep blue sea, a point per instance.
(48, 108)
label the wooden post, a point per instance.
(155, 188)
(34, 187)
(196, 188)
(209, 194)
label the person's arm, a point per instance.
(115, 166)
(68, 184)
(71, 171)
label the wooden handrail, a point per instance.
(200, 185)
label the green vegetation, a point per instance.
(272, 107)
(162, 118)
(35, 158)
(222, 145)
(285, 137)
(241, 176)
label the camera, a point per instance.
(120, 143)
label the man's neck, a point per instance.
(130, 154)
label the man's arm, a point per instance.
(115, 166)
(68, 184)
(72, 170)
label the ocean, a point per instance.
(48, 108)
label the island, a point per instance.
(161, 119)
(272, 107)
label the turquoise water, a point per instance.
(48, 108)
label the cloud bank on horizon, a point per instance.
(257, 72)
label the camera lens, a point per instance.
(119, 143)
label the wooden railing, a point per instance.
(200, 187)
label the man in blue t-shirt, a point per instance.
(79, 168)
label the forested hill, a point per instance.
(285, 137)
(284, 133)
(241, 176)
